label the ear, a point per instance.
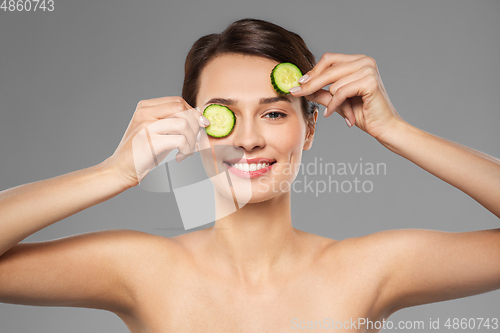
(311, 127)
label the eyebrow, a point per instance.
(267, 100)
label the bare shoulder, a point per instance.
(364, 264)
(373, 259)
(374, 255)
(420, 266)
(94, 270)
(316, 243)
(126, 242)
(130, 250)
(146, 249)
(378, 251)
(115, 243)
(136, 253)
(378, 243)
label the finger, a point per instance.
(170, 142)
(174, 126)
(200, 137)
(338, 110)
(332, 74)
(195, 117)
(204, 122)
(321, 96)
(356, 88)
(359, 74)
(192, 118)
(164, 110)
(176, 110)
(184, 149)
(149, 148)
(165, 144)
(348, 113)
(180, 157)
(329, 59)
(162, 100)
(346, 106)
(170, 107)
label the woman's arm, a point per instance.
(96, 270)
(28, 208)
(357, 93)
(418, 266)
(425, 266)
(25, 209)
(472, 172)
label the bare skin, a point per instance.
(252, 271)
(326, 279)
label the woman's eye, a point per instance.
(276, 115)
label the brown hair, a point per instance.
(250, 37)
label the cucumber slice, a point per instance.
(285, 76)
(221, 118)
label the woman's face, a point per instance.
(268, 126)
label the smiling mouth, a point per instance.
(249, 167)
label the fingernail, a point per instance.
(304, 79)
(324, 113)
(204, 121)
(294, 90)
(348, 122)
(198, 137)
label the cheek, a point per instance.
(287, 140)
(289, 143)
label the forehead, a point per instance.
(242, 77)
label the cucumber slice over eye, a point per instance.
(285, 76)
(221, 119)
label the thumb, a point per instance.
(321, 96)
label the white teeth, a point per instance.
(249, 167)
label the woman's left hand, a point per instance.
(356, 92)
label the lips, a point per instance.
(234, 166)
(254, 160)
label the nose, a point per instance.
(248, 135)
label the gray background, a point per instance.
(70, 81)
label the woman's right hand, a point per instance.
(157, 127)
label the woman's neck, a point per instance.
(257, 239)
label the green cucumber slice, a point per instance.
(221, 119)
(285, 76)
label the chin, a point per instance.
(248, 191)
(261, 189)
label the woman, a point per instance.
(252, 271)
